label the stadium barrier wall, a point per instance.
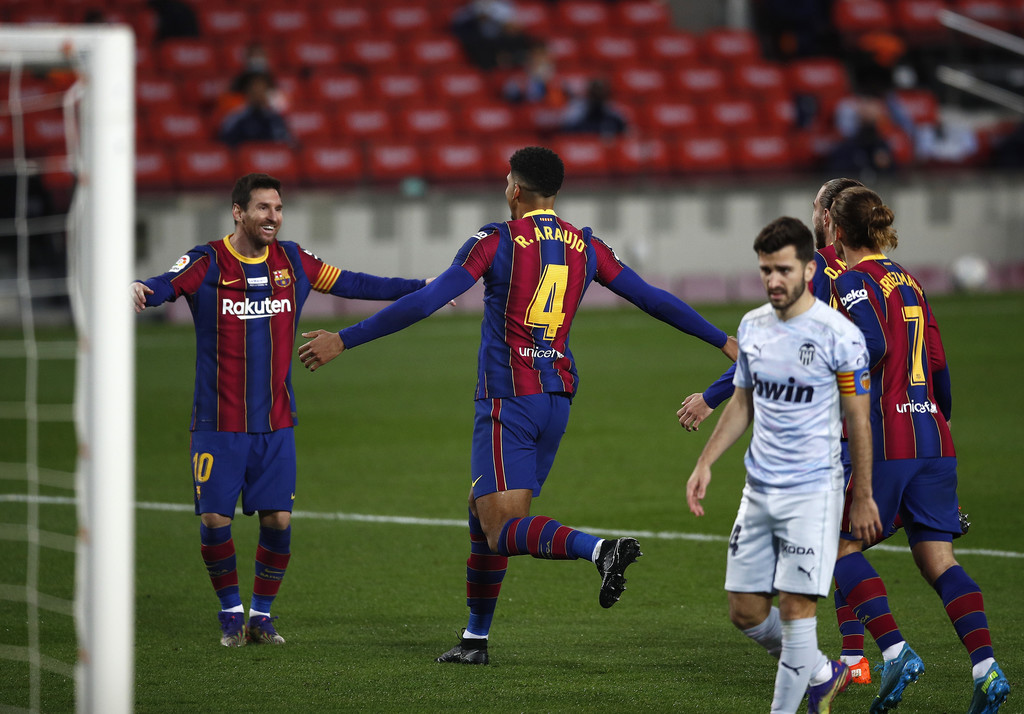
(696, 241)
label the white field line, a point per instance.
(454, 523)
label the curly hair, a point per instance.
(537, 169)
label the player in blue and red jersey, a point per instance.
(915, 468)
(536, 268)
(698, 406)
(246, 292)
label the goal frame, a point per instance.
(101, 228)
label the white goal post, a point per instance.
(101, 264)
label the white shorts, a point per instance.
(784, 542)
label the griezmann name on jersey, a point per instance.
(889, 306)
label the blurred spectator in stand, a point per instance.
(863, 121)
(490, 35)
(255, 62)
(793, 28)
(174, 19)
(256, 119)
(945, 142)
(536, 83)
(594, 112)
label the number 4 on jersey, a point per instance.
(546, 305)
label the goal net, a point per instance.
(67, 358)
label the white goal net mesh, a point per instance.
(66, 356)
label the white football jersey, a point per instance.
(791, 367)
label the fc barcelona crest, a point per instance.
(282, 278)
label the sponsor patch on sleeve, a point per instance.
(183, 261)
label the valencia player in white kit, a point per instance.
(802, 367)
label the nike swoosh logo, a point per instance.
(229, 282)
(476, 479)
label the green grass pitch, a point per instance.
(367, 604)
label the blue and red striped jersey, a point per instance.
(246, 311)
(829, 267)
(907, 357)
(537, 269)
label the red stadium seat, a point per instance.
(565, 50)
(45, 133)
(853, 18)
(426, 119)
(272, 158)
(221, 20)
(394, 161)
(153, 171)
(179, 126)
(671, 46)
(432, 51)
(204, 166)
(921, 104)
(699, 82)
(202, 92)
(345, 19)
(187, 56)
(156, 90)
(397, 87)
(6, 136)
(631, 156)
(582, 16)
(612, 50)
(777, 113)
(702, 154)
(501, 147)
(994, 13)
(533, 16)
(459, 85)
(641, 16)
(637, 81)
(670, 118)
(284, 21)
(368, 121)
(455, 161)
(822, 77)
(375, 53)
(759, 79)
(330, 163)
(309, 123)
(306, 53)
(734, 116)
(583, 155)
(408, 19)
(763, 152)
(490, 118)
(918, 21)
(730, 47)
(336, 88)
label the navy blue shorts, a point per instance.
(260, 467)
(515, 441)
(922, 492)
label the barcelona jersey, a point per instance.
(536, 270)
(245, 312)
(829, 267)
(907, 358)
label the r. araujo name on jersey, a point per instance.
(791, 368)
